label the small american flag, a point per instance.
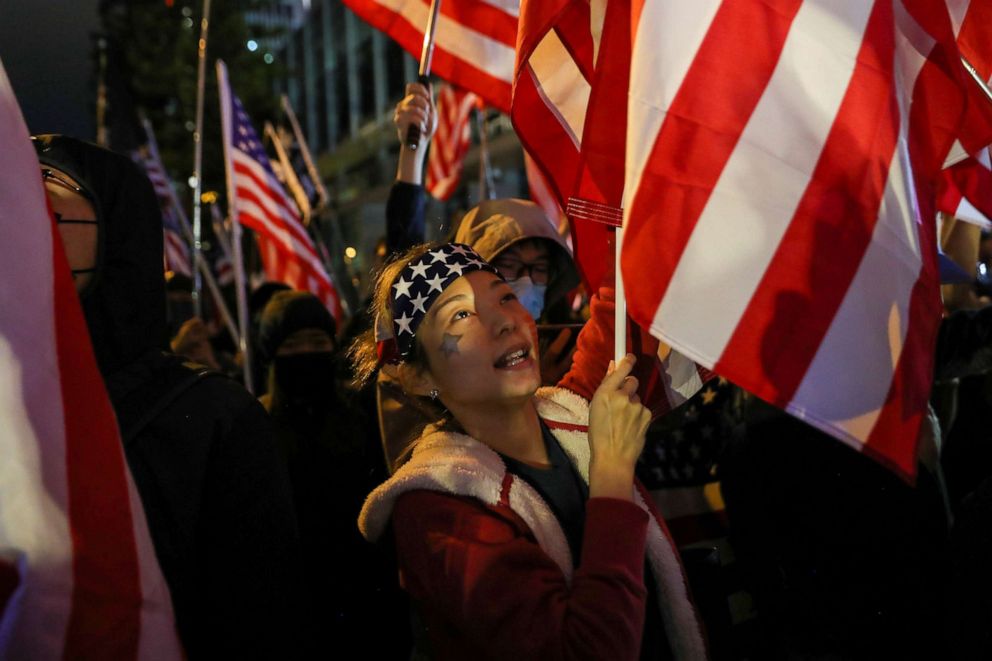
(451, 142)
(176, 256)
(156, 174)
(261, 204)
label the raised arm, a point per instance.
(405, 207)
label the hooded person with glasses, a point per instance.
(198, 445)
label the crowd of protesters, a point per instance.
(462, 472)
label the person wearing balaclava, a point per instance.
(200, 448)
(332, 456)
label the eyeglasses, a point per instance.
(47, 174)
(539, 273)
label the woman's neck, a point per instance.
(514, 431)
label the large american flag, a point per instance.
(779, 201)
(260, 203)
(474, 40)
(73, 537)
(451, 141)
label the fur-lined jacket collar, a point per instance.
(454, 463)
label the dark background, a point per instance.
(46, 48)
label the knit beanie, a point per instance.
(288, 312)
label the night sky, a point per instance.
(46, 48)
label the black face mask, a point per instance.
(305, 376)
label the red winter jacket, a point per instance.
(488, 564)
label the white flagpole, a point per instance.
(620, 311)
(201, 75)
(199, 263)
(237, 263)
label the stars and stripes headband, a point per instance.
(415, 290)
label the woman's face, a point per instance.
(480, 344)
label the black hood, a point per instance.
(125, 303)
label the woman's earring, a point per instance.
(434, 393)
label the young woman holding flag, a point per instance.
(519, 529)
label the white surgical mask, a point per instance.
(531, 296)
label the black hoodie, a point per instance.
(125, 302)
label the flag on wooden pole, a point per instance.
(258, 201)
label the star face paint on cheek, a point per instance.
(449, 345)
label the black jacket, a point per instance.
(218, 505)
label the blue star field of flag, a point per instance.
(682, 447)
(244, 138)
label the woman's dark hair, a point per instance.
(364, 356)
(362, 352)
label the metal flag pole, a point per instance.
(424, 72)
(199, 263)
(487, 186)
(237, 262)
(201, 75)
(977, 78)
(301, 141)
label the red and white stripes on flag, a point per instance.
(71, 524)
(773, 226)
(474, 40)
(261, 204)
(965, 190)
(556, 86)
(541, 193)
(552, 82)
(569, 109)
(451, 141)
(176, 254)
(156, 174)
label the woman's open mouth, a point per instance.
(515, 357)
